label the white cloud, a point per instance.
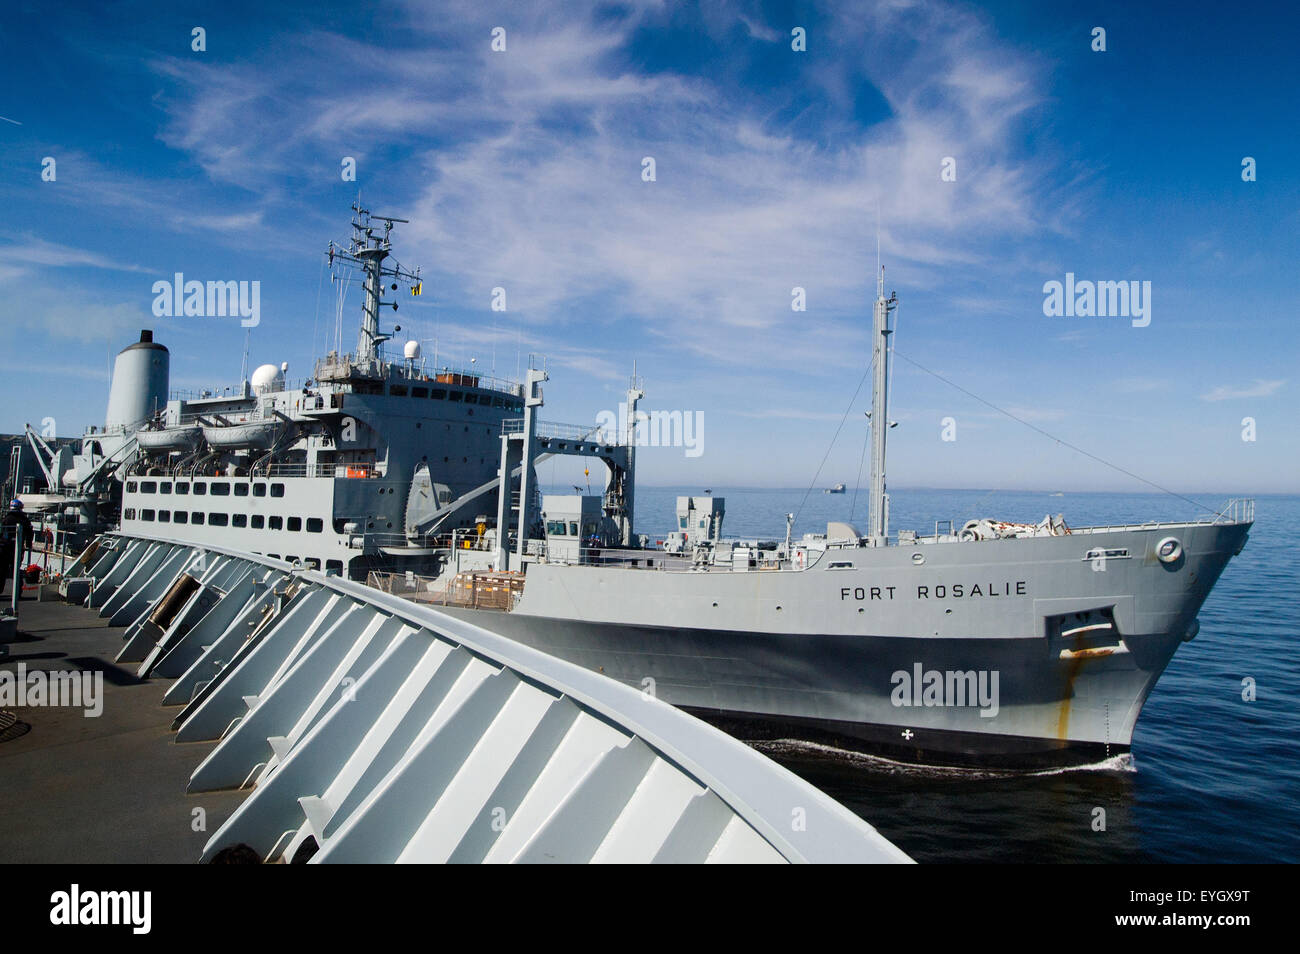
(30, 250)
(533, 176)
(1260, 388)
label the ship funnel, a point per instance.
(140, 380)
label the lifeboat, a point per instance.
(258, 435)
(183, 437)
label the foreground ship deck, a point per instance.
(103, 790)
(374, 730)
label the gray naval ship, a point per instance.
(993, 644)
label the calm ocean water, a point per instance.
(1212, 778)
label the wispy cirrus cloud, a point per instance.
(1259, 389)
(30, 250)
(532, 162)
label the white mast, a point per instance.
(878, 523)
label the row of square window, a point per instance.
(256, 521)
(219, 488)
(440, 394)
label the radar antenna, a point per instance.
(370, 245)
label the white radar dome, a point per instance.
(267, 378)
(412, 351)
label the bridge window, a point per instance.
(471, 398)
(456, 396)
(438, 394)
(420, 392)
(398, 390)
(498, 402)
(555, 528)
(573, 528)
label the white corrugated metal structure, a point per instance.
(374, 729)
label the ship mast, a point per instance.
(367, 250)
(878, 523)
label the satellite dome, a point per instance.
(267, 378)
(412, 351)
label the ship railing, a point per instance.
(466, 538)
(253, 415)
(231, 392)
(302, 470)
(476, 589)
(337, 367)
(1236, 510)
(466, 378)
(385, 539)
(411, 586)
(557, 431)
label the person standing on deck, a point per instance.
(13, 523)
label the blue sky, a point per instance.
(522, 169)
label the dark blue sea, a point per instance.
(1211, 778)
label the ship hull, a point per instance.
(845, 691)
(1054, 670)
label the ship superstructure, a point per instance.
(322, 470)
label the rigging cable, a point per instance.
(315, 328)
(843, 418)
(1065, 443)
